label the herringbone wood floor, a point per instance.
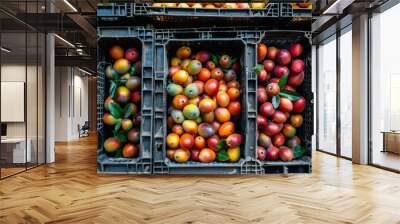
(70, 191)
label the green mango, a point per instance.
(191, 90)
(191, 112)
(174, 89)
(177, 116)
(111, 73)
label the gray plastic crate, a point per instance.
(119, 10)
(142, 39)
(283, 39)
(287, 10)
(242, 42)
(302, 165)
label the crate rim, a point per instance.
(256, 29)
(193, 11)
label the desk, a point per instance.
(391, 141)
(16, 146)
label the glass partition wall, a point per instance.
(326, 88)
(385, 90)
(345, 90)
(334, 94)
(22, 95)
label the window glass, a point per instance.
(385, 89)
(346, 94)
(32, 97)
(22, 88)
(327, 96)
(14, 147)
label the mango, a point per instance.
(174, 89)
(191, 112)
(192, 90)
(177, 116)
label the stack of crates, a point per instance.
(162, 29)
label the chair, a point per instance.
(84, 129)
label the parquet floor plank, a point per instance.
(70, 191)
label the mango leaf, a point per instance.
(121, 137)
(117, 126)
(258, 68)
(221, 145)
(282, 81)
(233, 61)
(275, 101)
(128, 110)
(118, 153)
(293, 96)
(222, 156)
(298, 151)
(116, 82)
(116, 110)
(115, 75)
(132, 71)
(113, 88)
(215, 59)
(122, 82)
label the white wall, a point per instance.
(80, 112)
(16, 73)
(71, 102)
(9, 73)
(33, 127)
(61, 103)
